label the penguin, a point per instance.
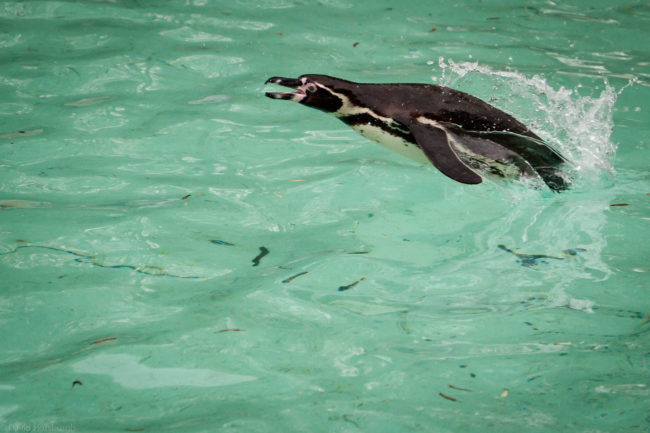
(461, 135)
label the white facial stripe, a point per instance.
(427, 121)
(349, 109)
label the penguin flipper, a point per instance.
(433, 139)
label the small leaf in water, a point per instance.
(220, 242)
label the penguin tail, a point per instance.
(554, 178)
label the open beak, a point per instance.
(292, 83)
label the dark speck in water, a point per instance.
(529, 260)
(102, 340)
(263, 251)
(220, 242)
(458, 388)
(532, 326)
(349, 286)
(447, 397)
(293, 277)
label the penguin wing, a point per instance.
(434, 140)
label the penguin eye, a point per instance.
(311, 88)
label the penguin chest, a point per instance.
(391, 141)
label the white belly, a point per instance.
(484, 165)
(391, 142)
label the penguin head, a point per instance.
(322, 92)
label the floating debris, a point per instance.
(348, 418)
(77, 382)
(620, 204)
(534, 377)
(532, 326)
(360, 252)
(185, 197)
(293, 277)
(220, 242)
(356, 44)
(529, 260)
(447, 397)
(504, 394)
(457, 388)
(532, 300)
(154, 271)
(263, 251)
(101, 340)
(349, 286)
(230, 330)
(22, 204)
(24, 133)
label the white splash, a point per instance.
(580, 127)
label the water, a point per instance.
(142, 172)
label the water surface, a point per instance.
(173, 243)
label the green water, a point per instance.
(142, 171)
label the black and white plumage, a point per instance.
(462, 136)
